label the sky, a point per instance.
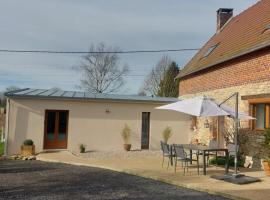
(73, 25)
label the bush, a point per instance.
(28, 142)
(126, 134)
(1, 148)
(166, 134)
(221, 161)
(267, 136)
(82, 148)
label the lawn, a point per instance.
(1, 148)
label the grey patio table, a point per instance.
(204, 150)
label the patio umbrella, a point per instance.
(197, 106)
(231, 111)
(206, 107)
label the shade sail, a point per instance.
(197, 106)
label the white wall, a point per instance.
(90, 124)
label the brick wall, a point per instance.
(252, 68)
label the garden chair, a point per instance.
(181, 155)
(166, 152)
(212, 145)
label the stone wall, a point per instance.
(251, 143)
(204, 134)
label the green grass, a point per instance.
(1, 148)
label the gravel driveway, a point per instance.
(42, 180)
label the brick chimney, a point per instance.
(223, 15)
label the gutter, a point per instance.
(149, 101)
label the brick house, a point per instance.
(235, 59)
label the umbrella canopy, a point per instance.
(231, 111)
(197, 106)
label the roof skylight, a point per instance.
(210, 50)
(267, 28)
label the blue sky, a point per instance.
(73, 25)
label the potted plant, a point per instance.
(166, 134)
(266, 166)
(126, 137)
(28, 148)
(82, 148)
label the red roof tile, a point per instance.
(242, 34)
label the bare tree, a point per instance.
(101, 71)
(151, 84)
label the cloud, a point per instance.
(74, 25)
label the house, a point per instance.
(56, 119)
(235, 59)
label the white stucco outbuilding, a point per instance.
(56, 119)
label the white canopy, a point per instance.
(198, 106)
(204, 107)
(231, 111)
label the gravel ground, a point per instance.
(41, 180)
(121, 154)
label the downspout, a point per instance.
(7, 127)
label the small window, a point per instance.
(210, 50)
(261, 112)
(260, 116)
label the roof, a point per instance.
(30, 93)
(242, 34)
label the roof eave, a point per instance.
(12, 96)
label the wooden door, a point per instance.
(56, 129)
(145, 130)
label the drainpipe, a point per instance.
(7, 127)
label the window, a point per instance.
(261, 112)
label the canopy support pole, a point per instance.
(236, 129)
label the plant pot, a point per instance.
(82, 150)
(27, 150)
(127, 147)
(266, 167)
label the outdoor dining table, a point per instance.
(204, 150)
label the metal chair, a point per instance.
(212, 145)
(166, 152)
(181, 155)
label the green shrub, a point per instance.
(166, 134)
(221, 161)
(28, 142)
(1, 148)
(82, 148)
(267, 136)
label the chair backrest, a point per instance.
(179, 151)
(231, 149)
(165, 147)
(213, 144)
